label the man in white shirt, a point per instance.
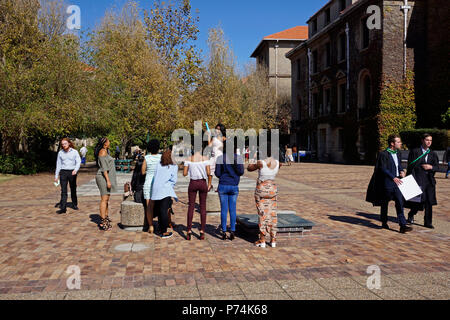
(67, 167)
(83, 152)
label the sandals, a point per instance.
(188, 236)
(105, 224)
(202, 235)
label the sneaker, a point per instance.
(260, 243)
(273, 243)
(167, 235)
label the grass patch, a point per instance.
(6, 177)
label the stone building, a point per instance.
(271, 54)
(337, 74)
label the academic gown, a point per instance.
(382, 179)
(425, 179)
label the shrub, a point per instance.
(413, 138)
(25, 164)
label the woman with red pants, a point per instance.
(198, 169)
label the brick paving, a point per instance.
(330, 262)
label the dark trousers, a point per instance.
(201, 187)
(161, 209)
(397, 196)
(67, 177)
(428, 220)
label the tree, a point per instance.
(138, 93)
(43, 87)
(172, 29)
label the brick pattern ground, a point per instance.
(329, 262)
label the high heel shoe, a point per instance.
(224, 235)
(232, 236)
(202, 236)
(188, 236)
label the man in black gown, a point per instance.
(384, 184)
(423, 164)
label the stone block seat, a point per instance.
(132, 215)
(289, 223)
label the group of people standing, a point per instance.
(423, 163)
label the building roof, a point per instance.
(298, 33)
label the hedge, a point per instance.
(413, 138)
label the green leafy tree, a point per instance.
(136, 91)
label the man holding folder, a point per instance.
(384, 184)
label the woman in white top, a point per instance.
(148, 169)
(266, 198)
(198, 169)
(216, 142)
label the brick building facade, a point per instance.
(338, 72)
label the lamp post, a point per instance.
(405, 9)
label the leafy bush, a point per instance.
(27, 164)
(413, 138)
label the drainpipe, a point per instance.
(276, 76)
(405, 9)
(309, 83)
(347, 34)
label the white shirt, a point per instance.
(423, 151)
(265, 173)
(394, 156)
(69, 160)
(197, 170)
(83, 151)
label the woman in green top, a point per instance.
(106, 179)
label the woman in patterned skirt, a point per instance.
(266, 198)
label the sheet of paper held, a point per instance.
(409, 188)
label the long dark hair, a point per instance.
(101, 142)
(222, 129)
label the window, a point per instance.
(365, 34)
(340, 139)
(299, 110)
(342, 5)
(367, 92)
(328, 54)
(299, 69)
(342, 47)
(314, 26)
(326, 101)
(327, 16)
(315, 105)
(342, 97)
(315, 62)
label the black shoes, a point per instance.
(224, 235)
(61, 211)
(231, 235)
(385, 226)
(410, 220)
(405, 229)
(429, 226)
(75, 208)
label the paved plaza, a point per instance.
(329, 262)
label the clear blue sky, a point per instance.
(245, 22)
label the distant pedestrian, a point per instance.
(288, 155)
(229, 169)
(423, 163)
(266, 193)
(83, 152)
(148, 169)
(67, 166)
(164, 181)
(295, 153)
(447, 159)
(105, 179)
(199, 170)
(117, 153)
(216, 142)
(383, 186)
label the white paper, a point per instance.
(409, 188)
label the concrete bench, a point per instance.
(288, 223)
(132, 214)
